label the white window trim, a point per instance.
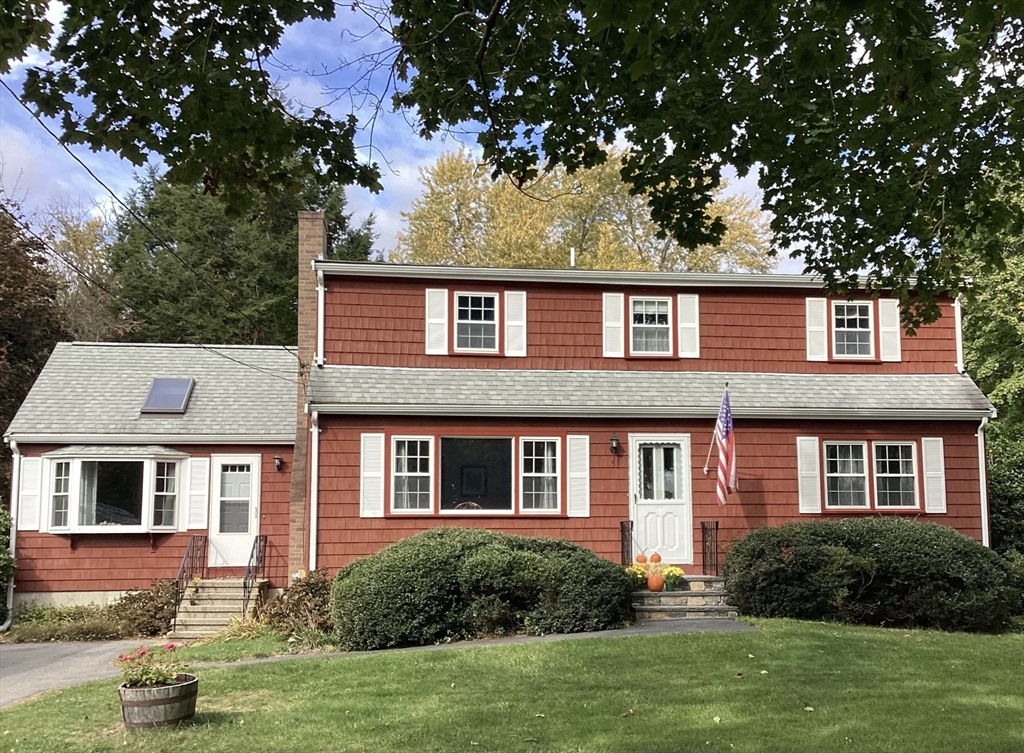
(672, 323)
(515, 475)
(867, 474)
(871, 330)
(497, 323)
(75, 490)
(395, 439)
(557, 510)
(874, 473)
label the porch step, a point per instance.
(209, 606)
(696, 596)
(683, 612)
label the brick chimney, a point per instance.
(312, 245)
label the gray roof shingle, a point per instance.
(97, 389)
(378, 390)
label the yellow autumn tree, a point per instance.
(463, 217)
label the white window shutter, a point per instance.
(30, 494)
(371, 476)
(808, 472)
(578, 475)
(689, 325)
(889, 330)
(515, 323)
(437, 321)
(817, 329)
(198, 492)
(614, 325)
(934, 463)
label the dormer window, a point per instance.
(168, 396)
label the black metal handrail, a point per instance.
(709, 543)
(193, 565)
(253, 570)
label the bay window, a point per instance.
(107, 495)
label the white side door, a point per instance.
(660, 493)
(234, 508)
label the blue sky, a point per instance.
(36, 170)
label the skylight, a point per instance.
(168, 395)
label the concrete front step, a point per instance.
(683, 612)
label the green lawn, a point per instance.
(267, 643)
(804, 687)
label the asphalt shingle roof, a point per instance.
(99, 389)
(355, 389)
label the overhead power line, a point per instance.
(163, 244)
(89, 278)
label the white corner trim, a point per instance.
(321, 295)
(958, 316)
(983, 482)
(314, 488)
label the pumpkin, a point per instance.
(655, 558)
(655, 583)
(641, 559)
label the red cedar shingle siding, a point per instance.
(96, 562)
(767, 478)
(381, 322)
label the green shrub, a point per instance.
(875, 571)
(37, 614)
(88, 629)
(306, 606)
(147, 612)
(452, 583)
(6, 560)
(1006, 493)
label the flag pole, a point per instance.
(707, 460)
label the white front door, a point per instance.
(234, 508)
(661, 508)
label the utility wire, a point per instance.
(86, 276)
(166, 246)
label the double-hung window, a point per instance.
(106, 495)
(852, 330)
(846, 475)
(476, 323)
(895, 475)
(412, 479)
(650, 326)
(540, 484)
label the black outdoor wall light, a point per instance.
(613, 444)
(278, 462)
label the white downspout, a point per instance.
(314, 489)
(321, 295)
(983, 480)
(15, 488)
(959, 318)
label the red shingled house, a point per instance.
(572, 403)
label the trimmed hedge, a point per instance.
(884, 571)
(452, 583)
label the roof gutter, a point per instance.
(627, 411)
(578, 276)
(136, 439)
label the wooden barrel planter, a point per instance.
(159, 705)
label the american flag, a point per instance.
(726, 441)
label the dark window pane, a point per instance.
(111, 493)
(476, 474)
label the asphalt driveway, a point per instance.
(30, 668)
